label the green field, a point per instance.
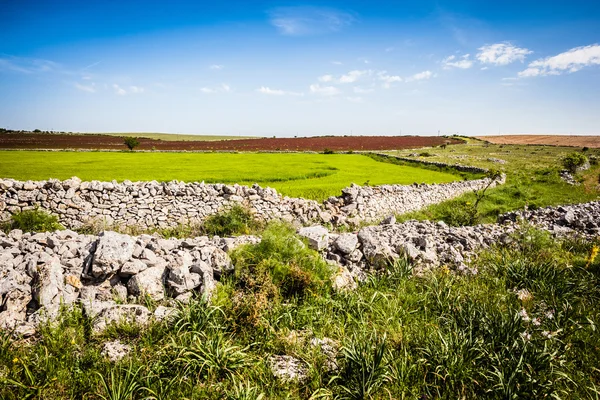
(315, 176)
(170, 137)
(532, 178)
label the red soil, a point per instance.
(337, 143)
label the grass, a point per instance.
(313, 176)
(532, 180)
(524, 327)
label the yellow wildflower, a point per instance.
(592, 256)
(15, 360)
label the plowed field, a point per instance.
(551, 140)
(337, 143)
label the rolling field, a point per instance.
(314, 176)
(34, 141)
(549, 140)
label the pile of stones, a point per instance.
(42, 272)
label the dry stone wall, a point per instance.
(159, 205)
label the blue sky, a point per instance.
(285, 68)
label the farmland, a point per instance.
(549, 140)
(532, 177)
(315, 176)
(109, 142)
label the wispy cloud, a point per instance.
(86, 88)
(336, 62)
(421, 76)
(216, 67)
(324, 90)
(122, 91)
(452, 62)
(570, 61)
(353, 76)
(354, 99)
(388, 79)
(502, 54)
(277, 92)
(349, 77)
(361, 90)
(302, 21)
(27, 65)
(223, 88)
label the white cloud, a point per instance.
(124, 91)
(216, 67)
(324, 90)
(119, 90)
(27, 65)
(86, 88)
(301, 21)
(570, 61)
(420, 76)
(326, 78)
(277, 92)
(388, 79)
(501, 54)
(223, 88)
(336, 62)
(452, 62)
(207, 90)
(352, 76)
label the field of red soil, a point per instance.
(551, 140)
(336, 143)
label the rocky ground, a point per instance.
(108, 273)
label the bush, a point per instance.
(574, 161)
(235, 221)
(279, 267)
(425, 154)
(328, 151)
(34, 221)
(131, 142)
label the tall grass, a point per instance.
(524, 327)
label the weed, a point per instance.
(34, 221)
(235, 221)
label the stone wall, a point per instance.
(458, 167)
(160, 205)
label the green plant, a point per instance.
(237, 220)
(328, 151)
(574, 161)
(365, 367)
(34, 221)
(214, 356)
(120, 384)
(131, 142)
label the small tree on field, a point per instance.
(573, 161)
(131, 142)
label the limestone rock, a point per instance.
(149, 282)
(112, 251)
(317, 235)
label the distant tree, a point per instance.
(37, 131)
(574, 161)
(131, 142)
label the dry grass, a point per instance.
(551, 140)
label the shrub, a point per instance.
(574, 161)
(235, 221)
(34, 221)
(425, 154)
(131, 142)
(328, 151)
(279, 267)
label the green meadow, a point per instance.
(315, 176)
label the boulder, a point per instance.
(112, 251)
(126, 313)
(317, 236)
(346, 243)
(148, 282)
(115, 350)
(288, 369)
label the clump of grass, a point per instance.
(33, 221)
(237, 220)
(279, 267)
